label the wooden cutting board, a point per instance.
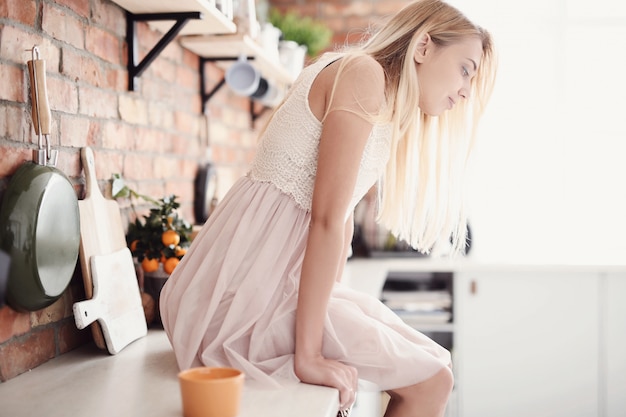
(101, 230)
(116, 302)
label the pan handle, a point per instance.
(42, 118)
(39, 94)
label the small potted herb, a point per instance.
(301, 36)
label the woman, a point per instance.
(258, 288)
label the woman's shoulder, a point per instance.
(363, 62)
(364, 77)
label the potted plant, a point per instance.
(301, 36)
(158, 240)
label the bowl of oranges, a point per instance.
(158, 241)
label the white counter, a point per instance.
(139, 381)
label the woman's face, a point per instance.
(445, 72)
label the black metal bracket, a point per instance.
(135, 68)
(206, 96)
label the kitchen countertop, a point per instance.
(369, 274)
(139, 381)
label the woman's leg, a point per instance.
(426, 399)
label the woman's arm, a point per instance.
(343, 139)
(347, 245)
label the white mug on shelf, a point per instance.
(245, 80)
(242, 77)
(292, 57)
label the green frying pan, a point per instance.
(39, 220)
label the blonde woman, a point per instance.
(258, 290)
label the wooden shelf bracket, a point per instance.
(135, 68)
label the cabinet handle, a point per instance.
(473, 287)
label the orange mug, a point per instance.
(211, 391)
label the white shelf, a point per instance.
(213, 21)
(232, 46)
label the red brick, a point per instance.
(358, 8)
(103, 44)
(70, 337)
(57, 311)
(186, 123)
(133, 109)
(138, 167)
(167, 167)
(16, 44)
(80, 7)
(117, 136)
(383, 8)
(163, 70)
(188, 78)
(150, 140)
(62, 95)
(17, 124)
(184, 192)
(26, 353)
(69, 162)
(78, 131)
(95, 102)
(107, 164)
(12, 85)
(191, 60)
(12, 158)
(109, 15)
(62, 26)
(12, 323)
(116, 79)
(79, 68)
(22, 11)
(160, 116)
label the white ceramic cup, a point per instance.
(243, 78)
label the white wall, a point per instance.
(550, 169)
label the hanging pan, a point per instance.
(39, 220)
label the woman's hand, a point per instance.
(321, 371)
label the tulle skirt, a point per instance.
(232, 301)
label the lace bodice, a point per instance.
(288, 149)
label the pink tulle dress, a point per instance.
(232, 299)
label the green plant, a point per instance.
(161, 235)
(302, 30)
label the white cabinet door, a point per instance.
(527, 343)
(615, 348)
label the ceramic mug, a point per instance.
(211, 391)
(243, 78)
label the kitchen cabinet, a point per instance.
(612, 357)
(527, 340)
(527, 343)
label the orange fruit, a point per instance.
(149, 265)
(180, 251)
(170, 264)
(170, 237)
(133, 245)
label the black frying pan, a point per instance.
(205, 192)
(39, 220)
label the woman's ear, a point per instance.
(423, 47)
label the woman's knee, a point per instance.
(439, 385)
(447, 378)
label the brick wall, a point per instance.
(347, 19)
(155, 136)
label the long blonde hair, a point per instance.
(421, 195)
